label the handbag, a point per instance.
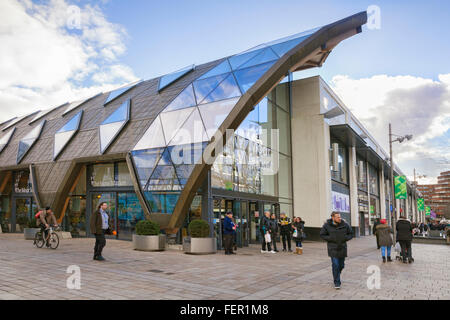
(294, 235)
(267, 237)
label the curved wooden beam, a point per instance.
(315, 48)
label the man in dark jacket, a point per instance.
(285, 230)
(274, 231)
(100, 224)
(336, 232)
(229, 230)
(404, 237)
(375, 224)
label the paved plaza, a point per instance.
(27, 273)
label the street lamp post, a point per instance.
(400, 139)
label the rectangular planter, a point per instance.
(149, 243)
(199, 245)
(30, 233)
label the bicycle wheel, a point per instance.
(38, 240)
(54, 241)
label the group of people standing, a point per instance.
(271, 228)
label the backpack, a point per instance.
(38, 221)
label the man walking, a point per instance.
(285, 231)
(336, 232)
(404, 237)
(229, 230)
(100, 224)
(265, 229)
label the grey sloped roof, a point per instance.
(146, 104)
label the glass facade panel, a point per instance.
(72, 124)
(282, 96)
(103, 175)
(238, 60)
(120, 114)
(373, 180)
(341, 173)
(172, 77)
(4, 141)
(75, 216)
(173, 120)
(285, 177)
(27, 142)
(185, 99)
(145, 161)
(225, 90)
(107, 134)
(362, 174)
(153, 137)
(282, 48)
(129, 213)
(118, 92)
(264, 56)
(123, 175)
(61, 139)
(223, 67)
(284, 125)
(213, 114)
(192, 131)
(206, 86)
(247, 77)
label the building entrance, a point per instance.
(23, 211)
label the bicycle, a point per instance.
(53, 239)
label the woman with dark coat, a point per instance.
(383, 233)
(298, 226)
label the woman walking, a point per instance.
(299, 227)
(383, 232)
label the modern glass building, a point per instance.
(162, 149)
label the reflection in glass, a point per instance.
(22, 183)
(102, 175)
(185, 99)
(264, 56)
(145, 161)
(239, 59)
(205, 86)
(222, 68)
(63, 135)
(111, 126)
(27, 142)
(173, 120)
(153, 137)
(170, 78)
(118, 92)
(213, 114)
(129, 213)
(247, 77)
(192, 131)
(228, 88)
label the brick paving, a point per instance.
(26, 272)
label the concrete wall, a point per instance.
(310, 155)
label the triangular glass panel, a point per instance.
(264, 56)
(185, 99)
(4, 141)
(45, 112)
(164, 176)
(28, 141)
(118, 92)
(145, 161)
(173, 120)
(213, 114)
(192, 131)
(187, 154)
(153, 137)
(227, 89)
(247, 77)
(61, 139)
(239, 59)
(108, 132)
(167, 79)
(120, 114)
(222, 68)
(204, 87)
(282, 48)
(306, 33)
(72, 124)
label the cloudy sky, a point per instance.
(63, 50)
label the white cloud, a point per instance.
(45, 61)
(413, 105)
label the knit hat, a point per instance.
(383, 221)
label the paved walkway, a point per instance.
(27, 272)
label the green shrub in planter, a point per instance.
(147, 228)
(22, 220)
(199, 229)
(32, 223)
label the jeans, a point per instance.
(286, 237)
(298, 243)
(100, 242)
(338, 265)
(383, 251)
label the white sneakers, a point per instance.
(263, 251)
(273, 251)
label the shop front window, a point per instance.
(110, 175)
(22, 183)
(340, 173)
(373, 180)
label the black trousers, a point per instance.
(264, 243)
(100, 243)
(286, 237)
(228, 242)
(406, 249)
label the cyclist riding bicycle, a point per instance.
(44, 218)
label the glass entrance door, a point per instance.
(110, 199)
(219, 215)
(254, 222)
(24, 210)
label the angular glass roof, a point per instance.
(110, 128)
(185, 99)
(247, 77)
(28, 141)
(228, 88)
(173, 120)
(223, 67)
(167, 79)
(63, 135)
(120, 91)
(204, 87)
(153, 137)
(4, 141)
(45, 112)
